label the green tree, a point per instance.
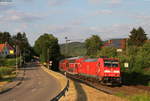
(142, 58)
(23, 47)
(93, 45)
(108, 51)
(46, 46)
(137, 37)
(5, 37)
(20, 40)
(131, 56)
(138, 57)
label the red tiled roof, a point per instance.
(5, 45)
(1, 47)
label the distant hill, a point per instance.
(73, 49)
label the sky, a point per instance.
(75, 19)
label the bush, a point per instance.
(5, 71)
(138, 57)
(122, 60)
(0, 75)
(142, 97)
(9, 61)
(1, 62)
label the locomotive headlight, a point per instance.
(107, 71)
(116, 71)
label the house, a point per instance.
(6, 50)
(117, 43)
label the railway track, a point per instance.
(113, 90)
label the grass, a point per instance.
(149, 83)
(120, 94)
(7, 74)
(8, 78)
(6, 71)
(147, 72)
(9, 61)
(140, 97)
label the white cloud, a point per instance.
(105, 11)
(56, 2)
(81, 32)
(5, 2)
(146, 0)
(95, 1)
(21, 28)
(6, 6)
(115, 1)
(105, 1)
(18, 16)
(142, 17)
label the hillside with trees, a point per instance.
(73, 49)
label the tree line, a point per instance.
(19, 42)
(46, 47)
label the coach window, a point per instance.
(76, 65)
(90, 60)
(67, 64)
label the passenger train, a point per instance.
(105, 70)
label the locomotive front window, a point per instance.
(115, 64)
(111, 63)
(107, 64)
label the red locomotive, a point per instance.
(106, 70)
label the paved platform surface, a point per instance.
(37, 85)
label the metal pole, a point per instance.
(24, 54)
(66, 46)
(48, 57)
(20, 59)
(16, 59)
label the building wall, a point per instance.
(6, 50)
(117, 43)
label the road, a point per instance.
(36, 86)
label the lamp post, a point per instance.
(48, 57)
(67, 40)
(16, 58)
